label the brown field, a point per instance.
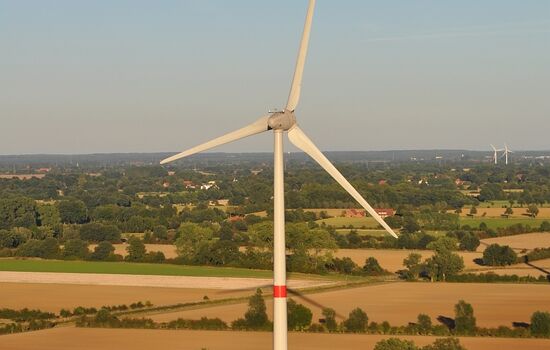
(114, 339)
(523, 269)
(169, 250)
(401, 302)
(54, 297)
(519, 242)
(392, 259)
(497, 212)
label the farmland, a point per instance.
(400, 303)
(54, 297)
(111, 339)
(526, 241)
(33, 265)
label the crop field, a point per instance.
(544, 213)
(36, 265)
(536, 268)
(54, 297)
(392, 259)
(168, 250)
(114, 339)
(401, 302)
(494, 223)
(526, 241)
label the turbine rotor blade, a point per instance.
(257, 127)
(300, 140)
(296, 86)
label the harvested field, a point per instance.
(536, 269)
(527, 241)
(498, 211)
(54, 297)
(168, 250)
(401, 302)
(115, 339)
(392, 259)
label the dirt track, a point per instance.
(147, 280)
(115, 339)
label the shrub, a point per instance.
(299, 316)
(357, 321)
(540, 324)
(497, 255)
(395, 344)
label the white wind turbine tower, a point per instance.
(505, 154)
(281, 122)
(495, 155)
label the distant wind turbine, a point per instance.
(505, 153)
(495, 155)
(281, 122)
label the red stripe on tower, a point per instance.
(279, 291)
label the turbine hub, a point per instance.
(281, 120)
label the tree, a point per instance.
(508, 211)
(445, 344)
(299, 316)
(48, 215)
(96, 232)
(410, 225)
(443, 243)
(72, 211)
(136, 250)
(17, 211)
(75, 249)
(465, 322)
(47, 248)
(373, 268)
(540, 324)
(330, 319)
(443, 264)
(103, 251)
(533, 210)
(424, 323)
(256, 315)
(497, 255)
(190, 239)
(473, 210)
(395, 344)
(413, 265)
(357, 321)
(469, 242)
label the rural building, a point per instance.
(384, 212)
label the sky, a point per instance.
(148, 76)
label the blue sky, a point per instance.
(138, 76)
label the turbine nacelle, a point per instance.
(281, 120)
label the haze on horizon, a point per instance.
(139, 76)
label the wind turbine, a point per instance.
(280, 122)
(505, 154)
(495, 157)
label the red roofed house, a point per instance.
(385, 212)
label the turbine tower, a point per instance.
(280, 122)
(505, 154)
(495, 156)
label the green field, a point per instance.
(363, 232)
(35, 265)
(495, 223)
(341, 222)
